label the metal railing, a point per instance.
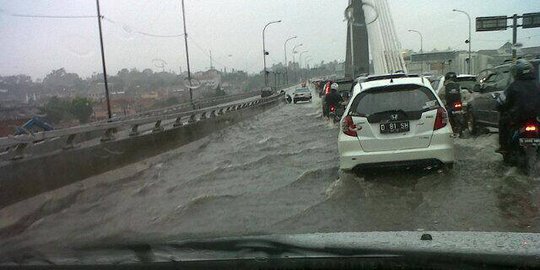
(187, 106)
(14, 146)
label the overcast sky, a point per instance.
(230, 28)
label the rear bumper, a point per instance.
(302, 98)
(352, 156)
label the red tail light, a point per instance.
(332, 108)
(348, 127)
(457, 106)
(531, 128)
(441, 120)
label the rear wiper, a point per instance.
(391, 111)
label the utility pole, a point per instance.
(211, 63)
(187, 57)
(109, 113)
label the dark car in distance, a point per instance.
(489, 84)
(301, 94)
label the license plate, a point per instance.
(529, 141)
(395, 127)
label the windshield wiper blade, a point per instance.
(270, 248)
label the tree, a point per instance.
(18, 86)
(60, 80)
(81, 108)
(56, 109)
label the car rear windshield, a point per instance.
(345, 86)
(302, 90)
(409, 98)
(467, 82)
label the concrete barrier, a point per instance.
(27, 177)
(59, 142)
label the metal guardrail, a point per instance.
(199, 104)
(15, 145)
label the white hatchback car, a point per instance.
(397, 121)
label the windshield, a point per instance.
(136, 122)
(408, 98)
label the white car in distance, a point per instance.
(395, 120)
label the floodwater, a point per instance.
(274, 173)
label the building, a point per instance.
(441, 62)
(457, 61)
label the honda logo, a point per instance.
(393, 117)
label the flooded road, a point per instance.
(275, 173)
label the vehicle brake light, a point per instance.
(348, 127)
(441, 120)
(457, 105)
(531, 128)
(332, 108)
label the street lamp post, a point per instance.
(300, 61)
(294, 58)
(300, 58)
(294, 51)
(469, 40)
(421, 47)
(286, 64)
(306, 61)
(306, 65)
(265, 52)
